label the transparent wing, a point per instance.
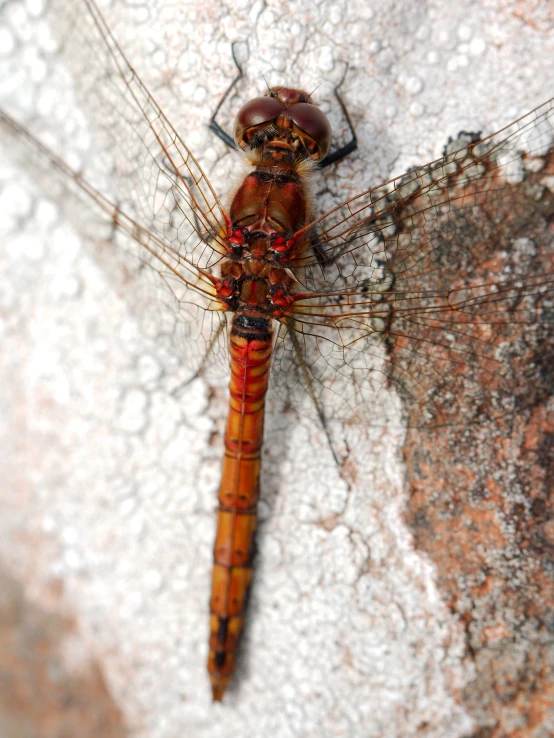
(359, 225)
(151, 173)
(178, 298)
(141, 195)
(428, 283)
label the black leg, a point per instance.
(214, 125)
(175, 177)
(352, 145)
(317, 249)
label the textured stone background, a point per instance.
(394, 600)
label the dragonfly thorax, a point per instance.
(256, 285)
(270, 205)
(259, 248)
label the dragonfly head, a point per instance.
(284, 118)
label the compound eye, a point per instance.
(313, 122)
(255, 113)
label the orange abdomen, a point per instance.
(250, 348)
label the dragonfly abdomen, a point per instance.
(250, 348)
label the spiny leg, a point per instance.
(308, 381)
(352, 145)
(200, 371)
(214, 125)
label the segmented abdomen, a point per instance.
(250, 348)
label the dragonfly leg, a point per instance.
(317, 248)
(214, 125)
(352, 145)
(175, 176)
(319, 252)
(308, 381)
(194, 215)
(200, 371)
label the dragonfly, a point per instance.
(332, 310)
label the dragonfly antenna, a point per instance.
(315, 89)
(265, 80)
